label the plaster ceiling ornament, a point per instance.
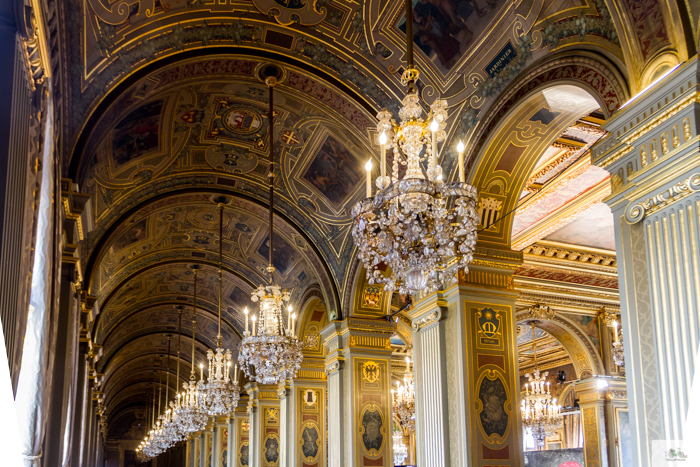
(220, 395)
(189, 413)
(540, 412)
(405, 400)
(272, 351)
(419, 226)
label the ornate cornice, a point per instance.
(570, 254)
(677, 192)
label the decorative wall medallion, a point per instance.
(489, 322)
(291, 138)
(245, 425)
(271, 446)
(372, 429)
(312, 340)
(287, 12)
(488, 210)
(370, 372)
(244, 455)
(493, 397)
(310, 397)
(242, 120)
(272, 414)
(371, 296)
(200, 240)
(310, 441)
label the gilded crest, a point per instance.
(372, 296)
(370, 372)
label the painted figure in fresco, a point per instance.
(243, 458)
(285, 255)
(333, 171)
(493, 398)
(310, 436)
(135, 233)
(272, 449)
(137, 133)
(372, 437)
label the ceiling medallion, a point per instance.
(418, 225)
(220, 395)
(541, 414)
(272, 350)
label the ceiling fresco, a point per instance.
(164, 109)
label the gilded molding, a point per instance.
(617, 394)
(541, 312)
(424, 321)
(680, 190)
(608, 318)
(571, 255)
(333, 367)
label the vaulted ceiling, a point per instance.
(164, 109)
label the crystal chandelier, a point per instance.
(171, 428)
(273, 350)
(220, 395)
(189, 414)
(170, 434)
(405, 400)
(415, 224)
(541, 414)
(400, 450)
(618, 351)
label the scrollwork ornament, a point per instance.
(420, 323)
(680, 190)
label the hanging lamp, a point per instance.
(418, 225)
(190, 416)
(220, 395)
(540, 412)
(271, 353)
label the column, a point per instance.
(591, 393)
(253, 425)
(358, 365)
(216, 432)
(204, 448)
(191, 452)
(231, 440)
(465, 366)
(79, 412)
(286, 420)
(307, 421)
(652, 154)
(267, 427)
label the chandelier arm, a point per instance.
(221, 246)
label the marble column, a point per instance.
(358, 365)
(652, 153)
(466, 367)
(216, 432)
(232, 428)
(286, 420)
(191, 451)
(307, 406)
(254, 425)
(204, 438)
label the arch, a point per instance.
(584, 357)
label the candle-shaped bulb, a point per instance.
(460, 162)
(460, 146)
(434, 126)
(245, 310)
(382, 138)
(289, 308)
(368, 167)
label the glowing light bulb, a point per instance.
(460, 146)
(434, 126)
(382, 138)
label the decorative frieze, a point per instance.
(570, 254)
(637, 212)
